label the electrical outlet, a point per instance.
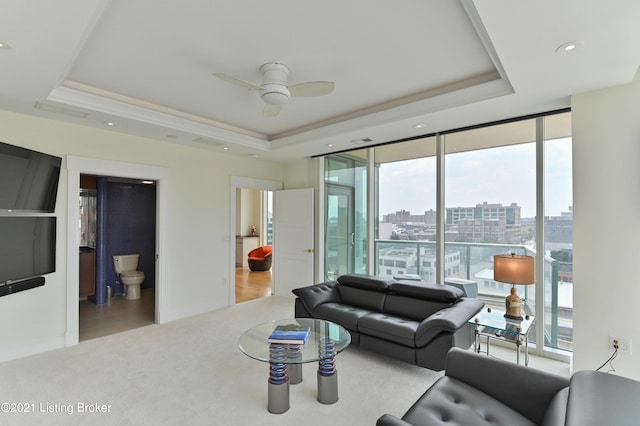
(624, 345)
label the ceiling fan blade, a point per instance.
(271, 110)
(311, 88)
(242, 83)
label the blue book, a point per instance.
(290, 334)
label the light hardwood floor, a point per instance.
(252, 284)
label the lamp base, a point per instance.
(513, 305)
(512, 317)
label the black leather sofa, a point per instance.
(412, 321)
(481, 390)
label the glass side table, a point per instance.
(492, 324)
(325, 341)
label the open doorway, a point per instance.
(117, 221)
(83, 165)
(236, 227)
(254, 236)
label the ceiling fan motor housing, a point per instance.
(274, 83)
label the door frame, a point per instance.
(240, 182)
(83, 165)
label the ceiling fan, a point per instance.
(275, 90)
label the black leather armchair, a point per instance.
(481, 390)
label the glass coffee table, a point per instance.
(325, 341)
(492, 324)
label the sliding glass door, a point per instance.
(340, 234)
(345, 216)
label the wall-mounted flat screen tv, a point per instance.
(27, 247)
(28, 179)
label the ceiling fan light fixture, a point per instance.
(275, 95)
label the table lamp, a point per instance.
(513, 269)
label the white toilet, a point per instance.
(125, 265)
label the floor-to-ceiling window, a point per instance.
(490, 199)
(406, 213)
(558, 232)
(497, 180)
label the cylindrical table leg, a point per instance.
(278, 395)
(278, 384)
(328, 388)
(294, 367)
(327, 373)
(295, 373)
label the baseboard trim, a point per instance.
(34, 347)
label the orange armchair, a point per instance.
(260, 259)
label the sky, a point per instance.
(502, 175)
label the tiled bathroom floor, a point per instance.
(118, 315)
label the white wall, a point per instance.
(196, 258)
(248, 211)
(606, 167)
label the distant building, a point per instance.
(559, 229)
(485, 211)
(403, 260)
(404, 216)
(484, 223)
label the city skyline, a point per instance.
(502, 175)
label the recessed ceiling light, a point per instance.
(329, 145)
(568, 47)
(109, 123)
(418, 126)
(4, 45)
(226, 148)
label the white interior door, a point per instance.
(293, 245)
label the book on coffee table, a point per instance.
(290, 334)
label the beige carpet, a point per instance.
(192, 372)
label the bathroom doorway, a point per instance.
(254, 228)
(117, 217)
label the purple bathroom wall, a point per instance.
(129, 215)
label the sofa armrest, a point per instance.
(449, 319)
(318, 294)
(389, 420)
(599, 398)
(527, 390)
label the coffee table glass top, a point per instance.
(253, 342)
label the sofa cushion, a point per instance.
(527, 390)
(314, 295)
(358, 297)
(365, 282)
(345, 315)
(426, 291)
(410, 307)
(452, 402)
(387, 327)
